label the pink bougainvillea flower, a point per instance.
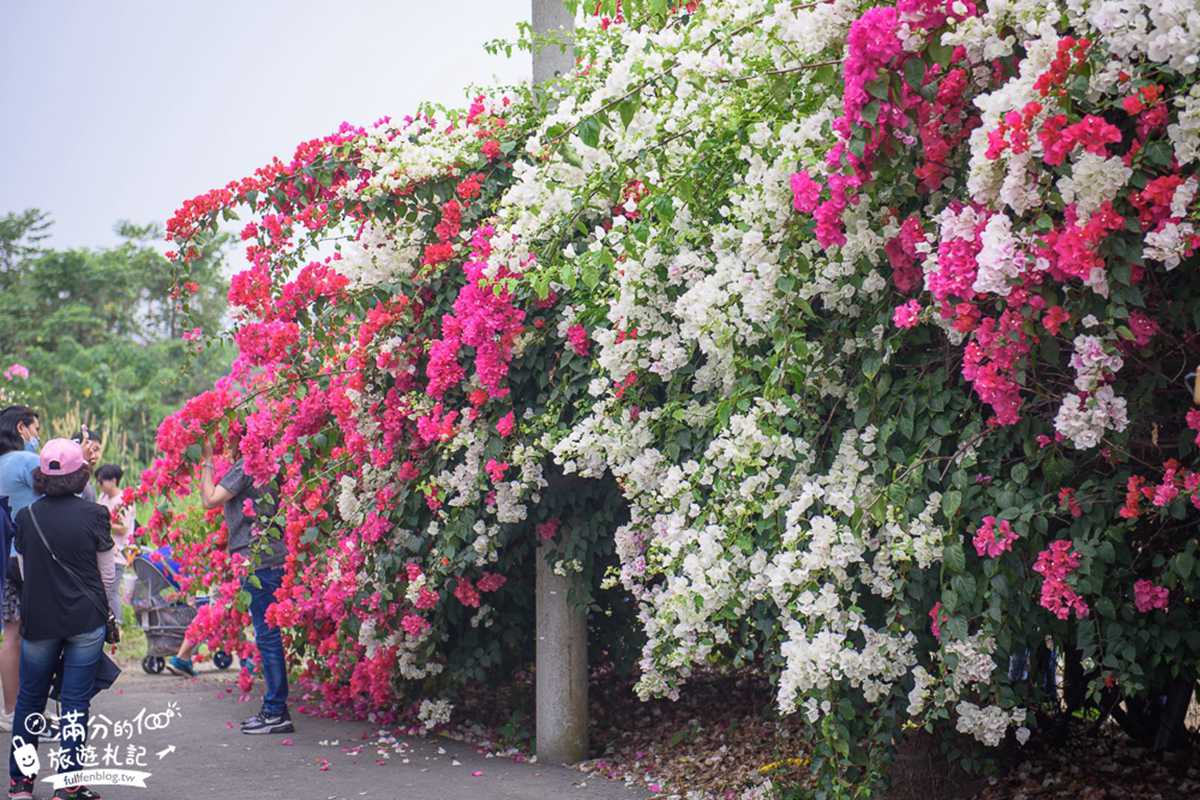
(1054, 318)
(806, 192)
(1149, 596)
(907, 315)
(902, 254)
(1055, 564)
(577, 337)
(490, 582)
(466, 593)
(16, 371)
(1192, 419)
(414, 625)
(505, 425)
(1144, 329)
(549, 529)
(936, 617)
(496, 469)
(1067, 500)
(992, 538)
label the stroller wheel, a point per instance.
(153, 664)
(222, 660)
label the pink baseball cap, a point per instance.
(60, 457)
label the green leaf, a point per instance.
(566, 275)
(879, 510)
(1159, 153)
(951, 501)
(941, 53)
(590, 274)
(914, 72)
(1185, 562)
(628, 108)
(589, 131)
(870, 365)
(870, 112)
(950, 600)
(954, 557)
(858, 142)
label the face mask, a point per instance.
(33, 445)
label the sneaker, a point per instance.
(20, 789)
(269, 723)
(76, 793)
(180, 666)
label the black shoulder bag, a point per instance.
(112, 632)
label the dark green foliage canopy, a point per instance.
(100, 331)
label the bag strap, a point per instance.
(107, 612)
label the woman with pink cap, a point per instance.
(65, 544)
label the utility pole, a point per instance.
(552, 16)
(562, 673)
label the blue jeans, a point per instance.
(268, 639)
(40, 659)
(1018, 669)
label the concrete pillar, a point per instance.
(562, 676)
(562, 670)
(548, 62)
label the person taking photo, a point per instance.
(243, 504)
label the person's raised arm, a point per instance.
(211, 495)
(106, 562)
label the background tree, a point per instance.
(101, 332)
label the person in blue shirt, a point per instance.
(19, 440)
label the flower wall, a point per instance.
(852, 337)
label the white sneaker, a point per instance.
(6, 721)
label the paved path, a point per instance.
(212, 759)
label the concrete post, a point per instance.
(562, 676)
(548, 62)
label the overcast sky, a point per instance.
(121, 109)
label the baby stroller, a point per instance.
(164, 621)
